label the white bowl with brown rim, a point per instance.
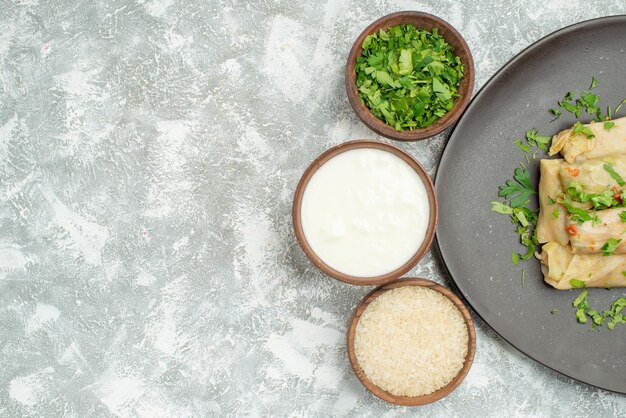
(317, 260)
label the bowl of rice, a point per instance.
(411, 342)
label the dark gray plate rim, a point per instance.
(455, 136)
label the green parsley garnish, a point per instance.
(619, 106)
(581, 303)
(609, 125)
(587, 101)
(555, 213)
(580, 315)
(522, 146)
(553, 311)
(615, 313)
(556, 113)
(572, 108)
(538, 141)
(582, 129)
(580, 298)
(600, 201)
(609, 246)
(408, 77)
(501, 208)
(577, 284)
(519, 190)
(622, 216)
(603, 200)
(579, 215)
(609, 169)
(551, 201)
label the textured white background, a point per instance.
(148, 155)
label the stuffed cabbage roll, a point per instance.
(603, 235)
(555, 259)
(577, 147)
(551, 220)
(595, 176)
(564, 270)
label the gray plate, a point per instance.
(476, 244)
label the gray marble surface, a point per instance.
(148, 155)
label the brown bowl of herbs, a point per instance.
(409, 76)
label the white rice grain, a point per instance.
(411, 341)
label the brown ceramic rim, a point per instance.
(421, 21)
(412, 400)
(297, 205)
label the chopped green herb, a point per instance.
(622, 216)
(600, 201)
(575, 189)
(619, 106)
(609, 169)
(603, 200)
(609, 247)
(582, 129)
(581, 303)
(577, 284)
(519, 191)
(581, 299)
(589, 102)
(538, 141)
(572, 108)
(501, 208)
(609, 125)
(521, 218)
(522, 146)
(556, 113)
(528, 239)
(596, 317)
(526, 219)
(551, 201)
(553, 311)
(555, 213)
(615, 313)
(529, 243)
(579, 215)
(408, 77)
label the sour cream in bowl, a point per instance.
(365, 212)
